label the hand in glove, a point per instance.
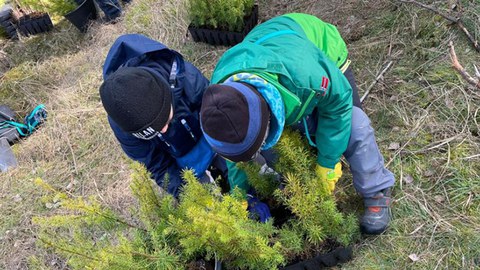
(267, 171)
(257, 209)
(329, 176)
(206, 178)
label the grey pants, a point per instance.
(366, 161)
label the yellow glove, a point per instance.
(330, 176)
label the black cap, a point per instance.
(137, 100)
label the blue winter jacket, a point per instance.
(188, 84)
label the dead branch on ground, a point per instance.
(457, 20)
(475, 81)
(377, 79)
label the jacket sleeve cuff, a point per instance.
(327, 162)
(237, 177)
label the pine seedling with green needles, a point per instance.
(316, 215)
(222, 14)
(94, 237)
(154, 209)
(307, 197)
(219, 227)
(165, 235)
(263, 184)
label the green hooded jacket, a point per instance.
(301, 56)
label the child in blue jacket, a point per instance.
(152, 97)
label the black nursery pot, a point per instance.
(226, 38)
(81, 16)
(7, 22)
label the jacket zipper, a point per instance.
(165, 141)
(305, 105)
(187, 127)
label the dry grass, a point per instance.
(421, 103)
(74, 150)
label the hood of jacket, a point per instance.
(133, 49)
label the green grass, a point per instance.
(421, 103)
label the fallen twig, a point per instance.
(469, 36)
(379, 76)
(456, 20)
(470, 157)
(446, 16)
(463, 72)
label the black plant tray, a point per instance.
(337, 255)
(226, 38)
(333, 258)
(34, 24)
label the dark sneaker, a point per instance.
(377, 212)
